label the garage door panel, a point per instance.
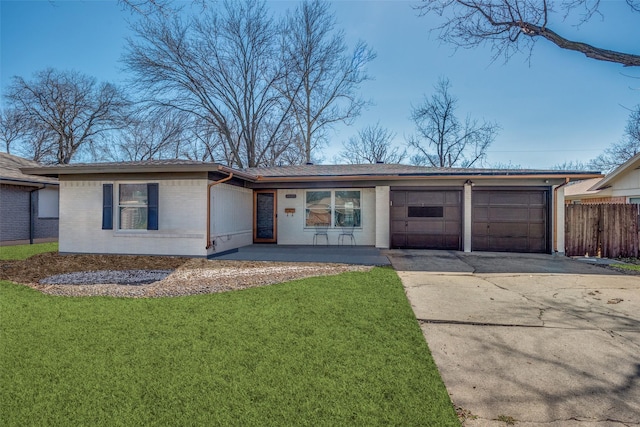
(510, 213)
(436, 227)
(479, 228)
(452, 212)
(508, 230)
(480, 213)
(398, 240)
(398, 213)
(518, 244)
(509, 220)
(398, 198)
(426, 219)
(423, 198)
(537, 214)
(432, 241)
(537, 231)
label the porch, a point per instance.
(363, 255)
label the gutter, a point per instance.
(209, 242)
(311, 178)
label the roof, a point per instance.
(582, 188)
(399, 170)
(631, 164)
(301, 173)
(10, 172)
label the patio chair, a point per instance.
(321, 230)
(347, 232)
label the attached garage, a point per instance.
(510, 220)
(426, 219)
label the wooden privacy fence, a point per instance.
(610, 229)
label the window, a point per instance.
(137, 206)
(339, 208)
(133, 206)
(48, 203)
(634, 200)
(425, 212)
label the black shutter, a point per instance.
(152, 208)
(107, 206)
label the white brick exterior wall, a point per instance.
(181, 219)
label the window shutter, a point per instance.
(152, 209)
(107, 206)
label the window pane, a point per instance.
(347, 217)
(135, 194)
(349, 199)
(133, 218)
(425, 212)
(318, 210)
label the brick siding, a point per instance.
(14, 215)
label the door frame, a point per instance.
(274, 214)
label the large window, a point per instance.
(338, 208)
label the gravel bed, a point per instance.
(195, 277)
(126, 277)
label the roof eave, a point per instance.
(399, 177)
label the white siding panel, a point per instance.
(231, 217)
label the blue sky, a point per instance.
(560, 106)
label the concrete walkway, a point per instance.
(537, 340)
(362, 255)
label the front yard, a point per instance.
(332, 350)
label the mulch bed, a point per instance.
(41, 266)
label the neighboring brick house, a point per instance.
(28, 203)
(621, 186)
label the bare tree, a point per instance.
(572, 165)
(511, 26)
(372, 145)
(323, 77)
(621, 151)
(442, 140)
(67, 109)
(223, 68)
(151, 135)
(12, 127)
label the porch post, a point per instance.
(467, 216)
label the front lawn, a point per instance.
(25, 251)
(338, 350)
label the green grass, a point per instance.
(25, 251)
(634, 267)
(326, 351)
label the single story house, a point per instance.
(200, 209)
(28, 203)
(621, 186)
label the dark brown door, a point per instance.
(264, 216)
(509, 220)
(426, 219)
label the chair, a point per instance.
(347, 231)
(321, 230)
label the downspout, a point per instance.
(32, 219)
(209, 242)
(555, 214)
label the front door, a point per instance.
(264, 216)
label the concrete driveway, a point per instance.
(531, 339)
